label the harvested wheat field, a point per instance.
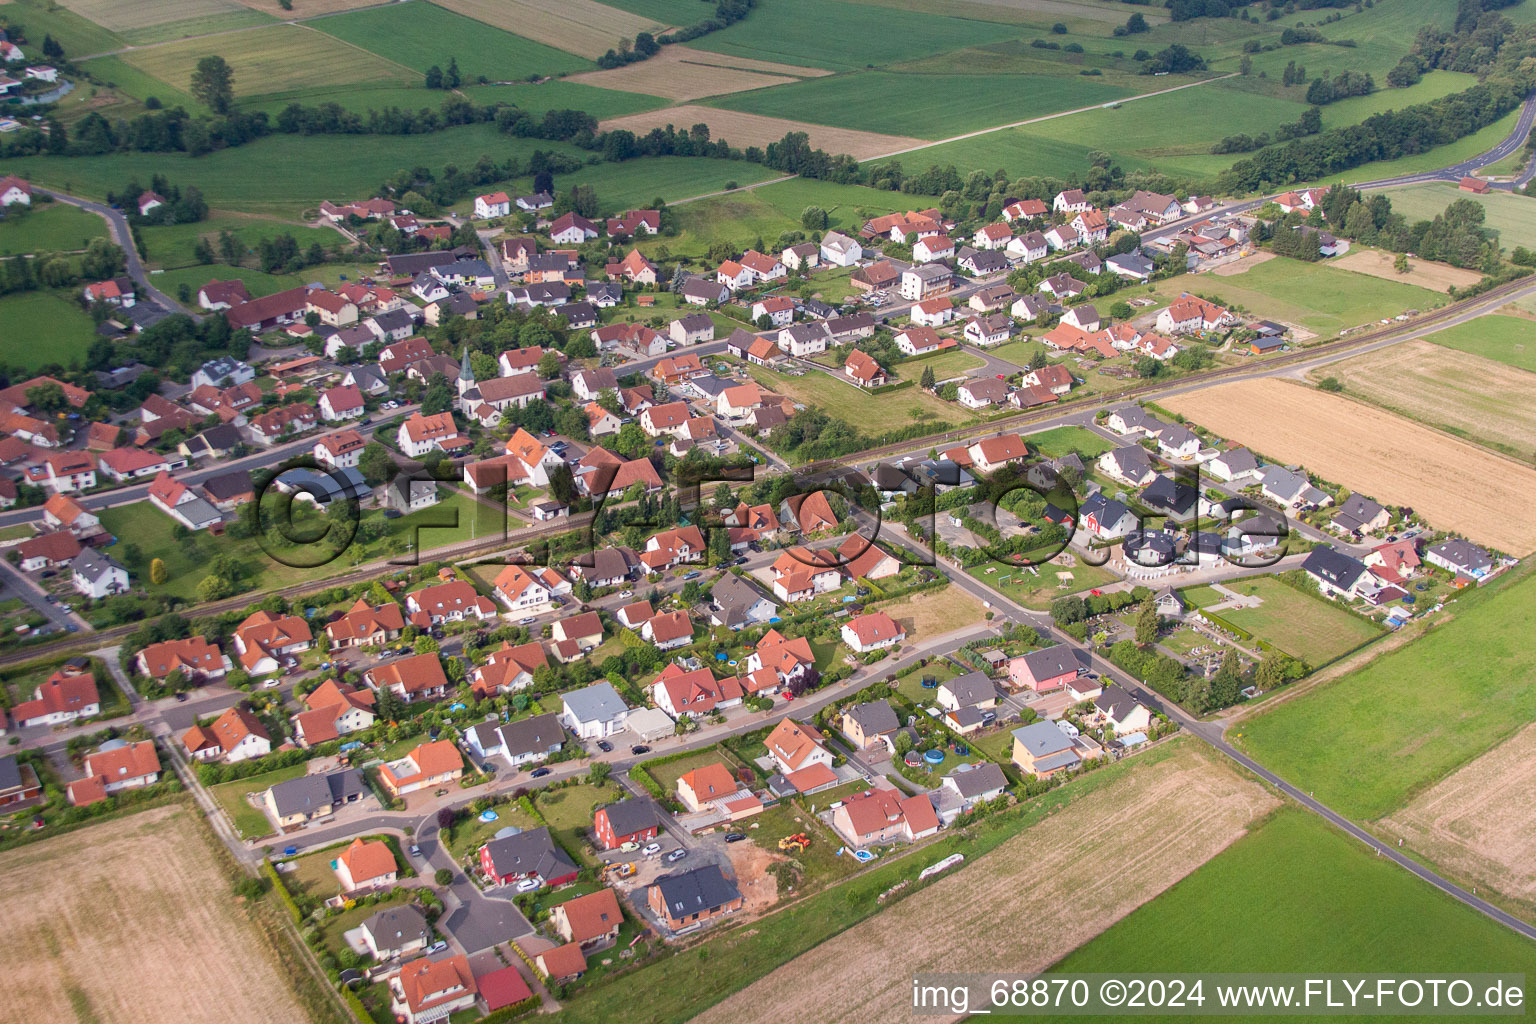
(126, 17)
(741, 129)
(1027, 903)
(1437, 277)
(575, 26)
(1453, 484)
(1479, 823)
(678, 73)
(1472, 397)
(131, 921)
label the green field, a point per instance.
(1060, 440)
(1507, 339)
(556, 94)
(1368, 742)
(842, 36)
(49, 227)
(257, 282)
(637, 182)
(139, 85)
(42, 327)
(1512, 217)
(1294, 895)
(420, 35)
(927, 106)
(172, 245)
(79, 36)
(666, 12)
(1310, 628)
(870, 413)
(1039, 588)
(1320, 297)
(277, 59)
(217, 19)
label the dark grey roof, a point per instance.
(533, 735)
(1107, 511)
(1462, 554)
(604, 290)
(848, 324)
(696, 890)
(1115, 702)
(875, 718)
(698, 287)
(1334, 566)
(629, 816)
(1135, 416)
(1357, 511)
(529, 853)
(229, 485)
(578, 313)
(1133, 461)
(10, 773)
(411, 264)
(395, 927)
(1050, 662)
(987, 260)
(309, 792)
(982, 778)
(971, 688)
(93, 565)
(221, 437)
(734, 596)
(1168, 495)
(326, 487)
(696, 321)
(1134, 262)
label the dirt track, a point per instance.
(741, 129)
(130, 921)
(1452, 484)
(1026, 904)
(1479, 823)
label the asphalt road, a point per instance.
(117, 224)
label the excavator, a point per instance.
(797, 842)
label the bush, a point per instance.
(443, 876)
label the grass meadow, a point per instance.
(1296, 895)
(1507, 339)
(1366, 743)
(555, 94)
(79, 36)
(1305, 627)
(419, 35)
(1319, 297)
(42, 327)
(930, 106)
(50, 227)
(1508, 215)
(172, 245)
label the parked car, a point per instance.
(528, 885)
(525, 622)
(735, 837)
(629, 847)
(626, 593)
(415, 850)
(604, 746)
(436, 947)
(181, 697)
(639, 748)
(676, 855)
(539, 773)
(690, 576)
(651, 849)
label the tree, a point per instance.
(631, 441)
(158, 574)
(434, 78)
(375, 463)
(445, 817)
(813, 218)
(451, 77)
(425, 645)
(599, 772)
(928, 379)
(1401, 263)
(443, 876)
(213, 84)
(719, 547)
(1331, 384)
(390, 707)
(1270, 673)
(1147, 623)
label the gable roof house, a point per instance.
(1043, 671)
(192, 656)
(696, 693)
(1461, 557)
(112, 768)
(883, 815)
(430, 764)
(594, 711)
(1042, 749)
(524, 741)
(414, 677)
(264, 641)
(686, 900)
(634, 820)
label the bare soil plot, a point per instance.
(577, 26)
(123, 17)
(1453, 484)
(1479, 823)
(151, 932)
(751, 862)
(935, 612)
(742, 129)
(678, 73)
(1437, 277)
(1470, 396)
(1024, 905)
(1239, 266)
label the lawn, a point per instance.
(1309, 628)
(420, 35)
(819, 862)
(1059, 441)
(50, 226)
(667, 773)
(1367, 743)
(257, 282)
(1038, 591)
(172, 245)
(470, 834)
(569, 811)
(911, 687)
(139, 85)
(933, 613)
(929, 106)
(280, 58)
(1507, 339)
(79, 36)
(956, 362)
(842, 36)
(250, 822)
(1319, 297)
(1508, 215)
(1325, 902)
(870, 413)
(42, 327)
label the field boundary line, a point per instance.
(376, 56)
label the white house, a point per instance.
(872, 632)
(497, 204)
(840, 250)
(594, 711)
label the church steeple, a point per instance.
(466, 373)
